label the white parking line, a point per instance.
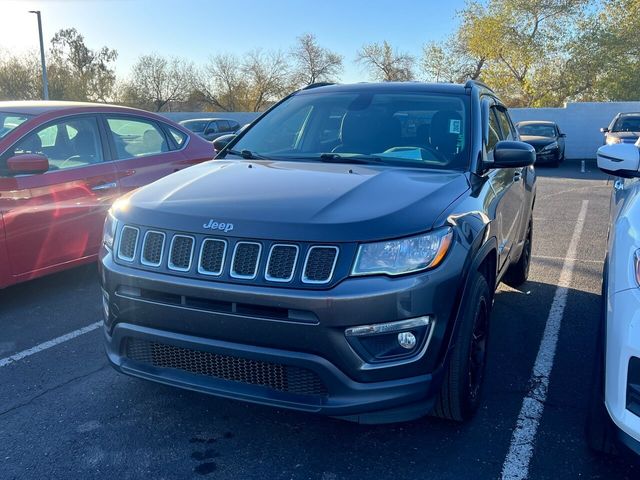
(516, 464)
(48, 344)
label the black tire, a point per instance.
(600, 430)
(461, 390)
(518, 273)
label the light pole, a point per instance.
(45, 82)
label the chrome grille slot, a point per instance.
(281, 263)
(128, 243)
(152, 247)
(212, 254)
(181, 252)
(245, 260)
(320, 264)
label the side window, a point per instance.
(494, 130)
(224, 126)
(505, 125)
(73, 142)
(178, 137)
(212, 128)
(136, 137)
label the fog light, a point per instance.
(407, 340)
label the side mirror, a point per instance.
(222, 141)
(508, 154)
(604, 129)
(563, 135)
(621, 160)
(28, 163)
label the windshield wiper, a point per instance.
(337, 158)
(247, 154)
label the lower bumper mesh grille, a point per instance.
(283, 378)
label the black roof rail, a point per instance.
(471, 83)
(316, 85)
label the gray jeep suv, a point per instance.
(340, 255)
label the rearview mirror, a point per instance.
(508, 154)
(621, 160)
(222, 141)
(28, 163)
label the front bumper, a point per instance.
(548, 156)
(308, 338)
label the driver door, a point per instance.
(56, 217)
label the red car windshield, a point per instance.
(9, 121)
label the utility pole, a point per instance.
(45, 81)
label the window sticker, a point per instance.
(454, 126)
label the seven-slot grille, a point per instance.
(210, 256)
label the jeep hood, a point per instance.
(296, 200)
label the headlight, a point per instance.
(551, 146)
(613, 140)
(109, 231)
(396, 257)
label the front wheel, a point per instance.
(459, 396)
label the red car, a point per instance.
(62, 165)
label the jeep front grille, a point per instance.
(245, 260)
(282, 261)
(320, 264)
(283, 378)
(228, 259)
(128, 242)
(181, 253)
(152, 247)
(212, 256)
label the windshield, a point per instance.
(534, 130)
(195, 125)
(9, 121)
(627, 124)
(426, 130)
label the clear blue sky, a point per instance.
(196, 29)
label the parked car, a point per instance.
(624, 128)
(211, 128)
(349, 273)
(62, 165)
(546, 138)
(614, 414)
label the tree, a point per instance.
(268, 78)
(222, 85)
(385, 63)
(520, 47)
(156, 81)
(77, 72)
(606, 53)
(313, 63)
(20, 77)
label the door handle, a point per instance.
(517, 176)
(104, 186)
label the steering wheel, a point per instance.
(76, 158)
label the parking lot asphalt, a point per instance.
(64, 413)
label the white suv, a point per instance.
(614, 415)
